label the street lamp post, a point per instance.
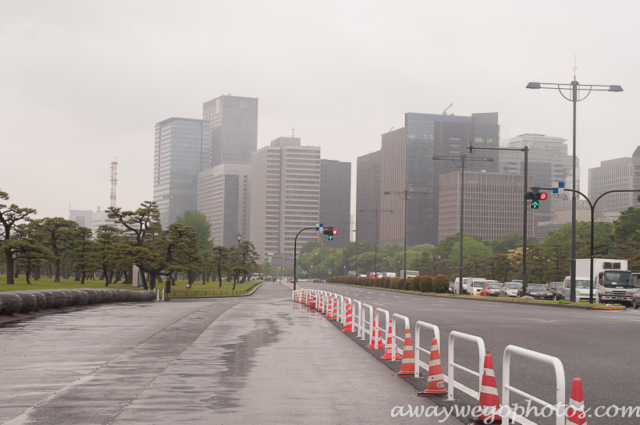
(573, 88)
(378, 211)
(461, 166)
(404, 195)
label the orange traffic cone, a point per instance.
(334, 315)
(435, 381)
(329, 307)
(391, 345)
(349, 322)
(312, 300)
(374, 337)
(489, 401)
(408, 368)
(575, 411)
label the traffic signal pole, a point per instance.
(295, 256)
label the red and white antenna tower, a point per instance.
(114, 181)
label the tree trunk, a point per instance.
(159, 279)
(57, 279)
(144, 280)
(128, 278)
(167, 285)
(152, 281)
(38, 272)
(84, 275)
(27, 275)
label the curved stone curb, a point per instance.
(29, 301)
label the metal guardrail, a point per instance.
(453, 365)
(418, 349)
(356, 318)
(386, 324)
(395, 337)
(364, 323)
(507, 388)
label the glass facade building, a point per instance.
(182, 149)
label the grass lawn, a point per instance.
(48, 283)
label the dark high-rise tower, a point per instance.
(234, 129)
(335, 199)
(423, 137)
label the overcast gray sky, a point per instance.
(82, 82)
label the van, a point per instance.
(582, 289)
(465, 283)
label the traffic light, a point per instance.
(311, 266)
(330, 231)
(535, 197)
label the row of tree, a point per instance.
(500, 259)
(59, 248)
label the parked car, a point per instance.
(491, 289)
(582, 289)
(510, 289)
(538, 291)
(556, 289)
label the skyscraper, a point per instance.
(335, 199)
(181, 151)
(367, 195)
(427, 135)
(284, 195)
(223, 197)
(613, 174)
(492, 204)
(233, 129)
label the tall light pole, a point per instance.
(378, 211)
(453, 159)
(239, 237)
(404, 195)
(572, 90)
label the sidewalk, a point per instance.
(259, 360)
(276, 363)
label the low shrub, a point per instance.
(426, 283)
(440, 284)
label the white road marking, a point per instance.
(397, 296)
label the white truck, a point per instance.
(612, 279)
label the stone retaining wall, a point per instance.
(33, 300)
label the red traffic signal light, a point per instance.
(334, 232)
(311, 266)
(542, 196)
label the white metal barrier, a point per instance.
(344, 311)
(418, 349)
(395, 337)
(364, 323)
(386, 323)
(453, 365)
(340, 308)
(507, 388)
(356, 317)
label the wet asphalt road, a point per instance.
(250, 360)
(600, 347)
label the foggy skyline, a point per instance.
(84, 82)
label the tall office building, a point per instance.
(223, 197)
(284, 196)
(368, 195)
(636, 176)
(233, 129)
(412, 149)
(182, 149)
(335, 199)
(613, 174)
(549, 164)
(82, 217)
(492, 205)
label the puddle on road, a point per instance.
(239, 359)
